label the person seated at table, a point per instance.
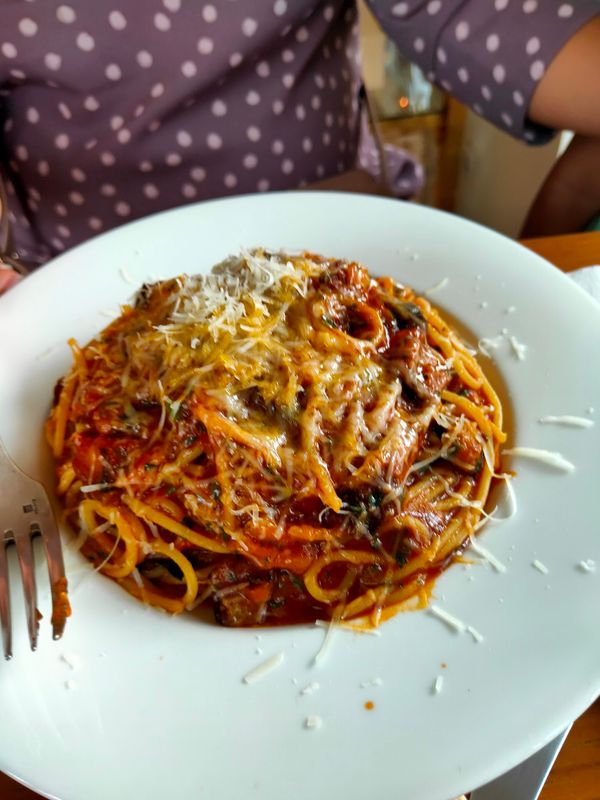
(113, 113)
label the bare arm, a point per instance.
(568, 96)
(7, 279)
(570, 195)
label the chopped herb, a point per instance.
(374, 499)
(174, 410)
(453, 450)
(276, 602)
(215, 490)
(298, 583)
(326, 320)
(149, 465)
(478, 465)
(189, 441)
(464, 392)
(401, 555)
(171, 490)
(356, 509)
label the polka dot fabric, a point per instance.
(491, 54)
(112, 111)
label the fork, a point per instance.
(25, 513)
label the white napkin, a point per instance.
(589, 279)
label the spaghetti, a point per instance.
(285, 438)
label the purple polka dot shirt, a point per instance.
(112, 111)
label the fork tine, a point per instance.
(5, 603)
(25, 554)
(58, 582)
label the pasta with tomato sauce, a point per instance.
(285, 438)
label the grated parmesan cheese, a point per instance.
(371, 682)
(94, 487)
(552, 459)
(567, 419)
(540, 567)
(486, 344)
(313, 722)
(489, 557)
(71, 660)
(321, 653)
(475, 634)
(451, 621)
(263, 669)
(217, 299)
(127, 277)
(436, 287)
(438, 684)
(589, 565)
(519, 349)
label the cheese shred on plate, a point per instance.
(263, 669)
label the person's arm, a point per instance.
(8, 278)
(527, 66)
(570, 195)
(568, 95)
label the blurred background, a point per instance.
(462, 156)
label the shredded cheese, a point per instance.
(436, 287)
(487, 344)
(371, 682)
(489, 557)
(567, 419)
(71, 660)
(519, 349)
(322, 652)
(438, 684)
(263, 669)
(540, 566)
(313, 722)
(127, 277)
(552, 459)
(94, 487)
(589, 565)
(475, 634)
(450, 620)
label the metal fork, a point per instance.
(25, 512)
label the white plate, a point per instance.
(157, 707)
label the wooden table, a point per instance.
(576, 773)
